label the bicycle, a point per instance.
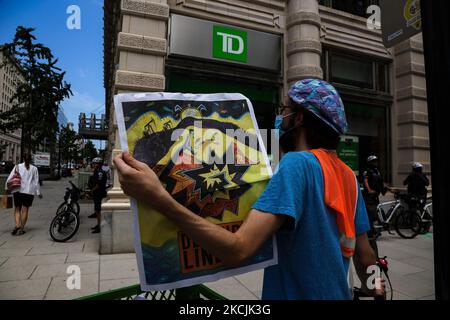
(71, 198)
(67, 220)
(404, 215)
(64, 226)
(427, 216)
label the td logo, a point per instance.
(230, 44)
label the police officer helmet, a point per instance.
(417, 165)
(97, 160)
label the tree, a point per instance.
(36, 102)
(68, 144)
(89, 151)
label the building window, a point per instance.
(356, 7)
(370, 124)
(349, 70)
(357, 71)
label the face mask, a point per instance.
(279, 131)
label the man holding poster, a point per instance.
(312, 204)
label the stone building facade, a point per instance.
(10, 76)
(147, 49)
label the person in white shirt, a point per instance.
(24, 196)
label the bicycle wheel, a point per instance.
(76, 207)
(62, 207)
(408, 224)
(64, 226)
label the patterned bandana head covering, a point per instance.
(322, 99)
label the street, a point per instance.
(32, 266)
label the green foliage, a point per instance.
(69, 147)
(90, 151)
(36, 101)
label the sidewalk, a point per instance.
(32, 266)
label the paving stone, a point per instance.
(35, 260)
(67, 248)
(419, 262)
(19, 252)
(124, 256)
(58, 289)
(118, 269)
(230, 288)
(252, 280)
(24, 288)
(401, 268)
(82, 257)
(16, 273)
(60, 270)
(107, 285)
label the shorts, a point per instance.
(22, 200)
(97, 203)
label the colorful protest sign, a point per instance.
(208, 153)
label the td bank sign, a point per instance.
(208, 40)
(229, 44)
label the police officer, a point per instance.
(417, 182)
(373, 187)
(98, 189)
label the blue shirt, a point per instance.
(310, 261)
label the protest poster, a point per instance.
(209, 155)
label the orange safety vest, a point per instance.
(341, 195)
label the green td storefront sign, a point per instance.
(229, 44)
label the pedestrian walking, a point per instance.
(23, 183)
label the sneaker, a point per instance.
(14, 232)
(92, 216)
(21, 232)
(96, 230)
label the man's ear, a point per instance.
(299, 119)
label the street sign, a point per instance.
(400, 20)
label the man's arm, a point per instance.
(365, 257)
(141, 182)
(233, 248)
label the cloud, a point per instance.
(82, 73)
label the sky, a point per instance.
(80, 51)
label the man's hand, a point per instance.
(140, 182)
(381, 292)
(40, 196)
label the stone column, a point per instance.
(303, 50)
(141, 49)
(411, 114)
